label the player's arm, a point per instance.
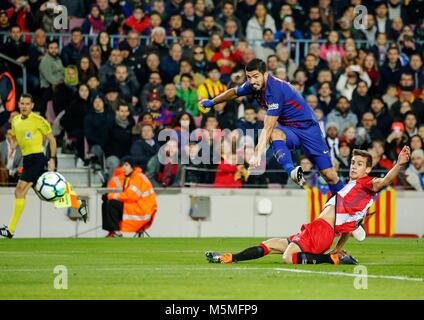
(381, 183)
(342, 241)
(53, 148)
(265, 136)
(227, 95)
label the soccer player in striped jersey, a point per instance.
(343, 214)
(290, 123)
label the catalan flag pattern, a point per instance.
(381, 216)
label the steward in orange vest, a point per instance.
(135, 207)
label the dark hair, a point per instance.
(342, 98)
(52, 41)
(186, 75)
(365, 154)
(409, 113)
(256, 64)
(249, 107)
(325, 82)
(122, 103)
(28, 96)
(266, 30)
(191, 126)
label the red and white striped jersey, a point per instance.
(352, 203)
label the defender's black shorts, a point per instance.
(34, 166)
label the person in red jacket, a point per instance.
(139, 21)
(230, 174)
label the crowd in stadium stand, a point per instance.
(110, 95)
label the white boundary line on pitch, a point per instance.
(174, 268)
(345, 274)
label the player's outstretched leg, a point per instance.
(310, 258)
(275, 245)
(283, 156)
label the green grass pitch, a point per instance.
(175, 268)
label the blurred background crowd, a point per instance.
(124, 71)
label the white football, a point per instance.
(51, 186)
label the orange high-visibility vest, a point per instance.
(139, 201)
(10, 102)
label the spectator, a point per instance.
(343, 158)
(144, 148)
(67, 90)
(396, 140)
(184, 125)
(86, 69)
(138, 22)
(36, 52)
(288, 33)
(390, 96)
(19, 50)
(73, 52)
(199, 61)
(20, 15)
(161, 116)
(381, 113)
(326, 99)
(189, 18)
(369, 123)
(187, 43)
(212, 86)
(152, 66)
(11, 157)
(94, 23)
(332, 47)
(229, 174)
(267, 46)
(415, 172)
(164, 170)
(361, 100)
(370, 30)
(332, 138)
(171, 101)
(155, 21)
(342, 114)
(73, 121)
(248, 124)
(209, 26)
(213, 45)
(371, 68)
(260, 21)
(416, 143)
(175, 26)
(95, 56)
(227, 16)
(51, 74)
(111, 98)
(170, 64)
(158, 42)
(107, 71)
(309, 174)
(380, 48)
(391, 69)
(416, 68)
(128, 87)
(103, 41)
(119, 137)
(226, 61)
(348, 81)
(154, 85)
(188, 94)
(310, 67)
(193, 176)
(134, 208)
(96, 127)
(231, 30)
(186, 68)
(410, 123)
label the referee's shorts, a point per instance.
(34, 165)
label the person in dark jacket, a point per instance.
(72, 53)
(361, 100)
(248, 124)
(146, 147)
(73, 119)
(390, 71)
(96, 127)
(119, 137)
(382, 115)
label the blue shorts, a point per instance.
(311, 141)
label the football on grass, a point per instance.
(51, 186)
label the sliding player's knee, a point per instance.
(274, 245)
(20, 191)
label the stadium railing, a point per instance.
(21, 65)
(300, 45)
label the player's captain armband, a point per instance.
(244, 90)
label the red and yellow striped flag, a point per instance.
(381, 217)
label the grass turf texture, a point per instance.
(171, 268)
